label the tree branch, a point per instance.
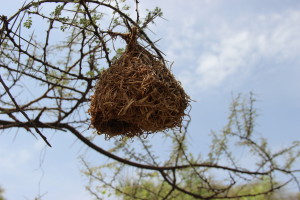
(23, 113)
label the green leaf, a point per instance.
(28, 23)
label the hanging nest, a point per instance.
(137, 95)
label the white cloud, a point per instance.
(234, 50)
(232, 53)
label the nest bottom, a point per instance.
(115, 127)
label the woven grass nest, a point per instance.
(137, 95)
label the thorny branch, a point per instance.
(23, 113)
(65, 68)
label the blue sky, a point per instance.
(219, 48)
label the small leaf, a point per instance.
(28, 23)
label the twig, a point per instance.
(137, 11)
(25, 115)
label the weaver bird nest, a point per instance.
(137, 95)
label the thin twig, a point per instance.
(25, 115)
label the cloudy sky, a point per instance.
(220, 48)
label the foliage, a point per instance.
(150, 190)
(1, 194)
(28, 23)
(62, 46)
